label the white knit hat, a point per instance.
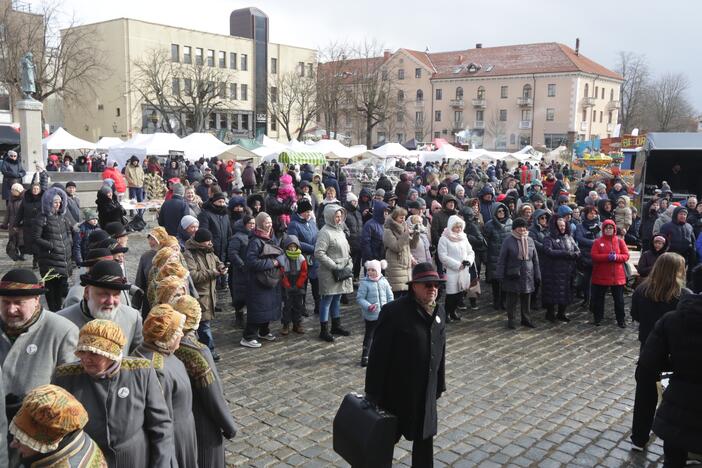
(188, 221)
(351, 197)
(377, 265)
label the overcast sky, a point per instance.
(667, 32)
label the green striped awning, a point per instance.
(302, 157)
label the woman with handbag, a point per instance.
(264, 297)
(518, 272)
(335, 273)
(396, 239)
(456, 255)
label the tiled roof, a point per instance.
(423, 57)
(550, 57)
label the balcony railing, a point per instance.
(479, 103)
(524, 124)
(419, 103)
(525, 101)
(458, 125)
(588, 101)
(583, 126)
(613, 104)
(479, 124)
(419, 123)
(457, 103)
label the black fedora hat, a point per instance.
(425, 273)
(96, 255)
(21, 282)
(98, 238)
(106, 274)
(116, 229)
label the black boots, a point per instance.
(336, 328)
(562, 317)
(324, 334)
(453, 315)
(550, 315)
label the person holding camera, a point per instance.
(456, 255)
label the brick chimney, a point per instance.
(577, 46)
(386, 54)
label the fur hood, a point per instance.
(47, 201)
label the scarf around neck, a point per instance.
(454, 236)
(294, 254)
(13, 333)
(523, 244)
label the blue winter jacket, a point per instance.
(306, 232)
(373, 292)
(372, 247)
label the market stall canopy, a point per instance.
(248, 143)
(240, 154)
(62, 140)
(302, 157)
(439, 142)
(334, 149)
(202, 145)
(106, 143)
(411, 144)
(389, 150)
(674, 141)
(273, 145)
(143, 144)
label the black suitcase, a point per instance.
(364, 435)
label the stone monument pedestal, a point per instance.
(31, 132)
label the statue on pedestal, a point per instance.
(27, 76)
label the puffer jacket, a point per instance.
(236, 254)
(604, 272)
(495, 233)
(585, 235)
(663, 217)
(557, 261)
(216, 220)
(28, 212)
(332, 251)
(473, 231)
(396, 238)
(372, 247)
(114, 174)
(452, 254)
(306, 232)
(354, 223)
(52, 235)
(680, 236)
(487, 208)
(538, 232)
(373, 292)
(508, 260)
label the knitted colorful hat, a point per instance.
(21, 282)
(168, 288)
(161, 325)
(48, 413)
(102, 337)
(158, 234)
(188, 306)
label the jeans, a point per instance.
(137, 193)
(329, 302)
(293, 305)
(56, 291)
(597, 300)
(252, 330)
(204, 334)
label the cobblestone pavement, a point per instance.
(559, 395)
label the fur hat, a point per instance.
(158, 234)
(188, 306)
(168, 288)
(48, 413)
(377, 265)
(19, 188)
(162, 323)
(102, 337)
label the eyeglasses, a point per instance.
(431, 285)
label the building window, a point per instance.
(552, 90)
(175, 53)
(176, 87)
(187, 54)
(503, 115)
(524, 140)
(481, 93)
(480, 115)
(458, 116)
(526, 91)
(437, 134)
(234, 121)
(601, 116)
(596, 93)
(587, 91)
(274, 65)
(584, 119)
(222, 59)
(381, 137)
(611, 95)
(212, 120)
(554, 140)
(400, 116)
(118, 112)
(437, 116)
(550, 114)
(400, 96)
(459, 93)
(187, 86)
(400, 137)
(223, 90)
(609, 117)
(438, 94)
(503, 91)
(245, 121)
(274, 95)
(244, 92)
(198, 56)
(526, 115)
(244, 62)
(310, 70)
(594, 116)
(4, 99)
(232, 91)
(400, 74)
(232, 60)
(420, 95)
(418, 136)
(301, 69)
(274, 125)
(210, 58)
(419, 117)
(417, 72)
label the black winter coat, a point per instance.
(170, 214)
(109, 210)
(508, 260)
(472, 230)
(236, 254)
(52, 236)
(558, 261)
(676, 343)
(28, 212)
(585, 235)
(216, 220)
(495, 233)
(647, 312)
(354, 223)
(648, 259)
(12, 173)
(262, 304)
(681, 238)
(405, 374)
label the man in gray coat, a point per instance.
(102, 299)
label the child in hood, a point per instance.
(294, 284)
(286, 195)
(373, 293)
(622, 213)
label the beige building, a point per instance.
(498, 98)
(239, 67)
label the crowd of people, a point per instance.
(539, 236)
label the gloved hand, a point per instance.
(612, 257)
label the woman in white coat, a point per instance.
(456, 255)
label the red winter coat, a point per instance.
(604, 272)
(114, 174)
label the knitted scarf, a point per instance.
(293, 254)
(523, 243)
(454, 236)
(13, 333)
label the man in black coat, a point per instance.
(173, 210)
(405, 374)
(214, 218)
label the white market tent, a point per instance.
(106, 143)
(62, 140)
(273, 145)
(389, 150)
(334, 149)
(202, 145)
(142, 145)
(240, 154)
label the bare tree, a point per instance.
(668, 104)
(68, 61)
(634, 68)
(331, 78)
(496, 128)
(294, 104)
(186, 94)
